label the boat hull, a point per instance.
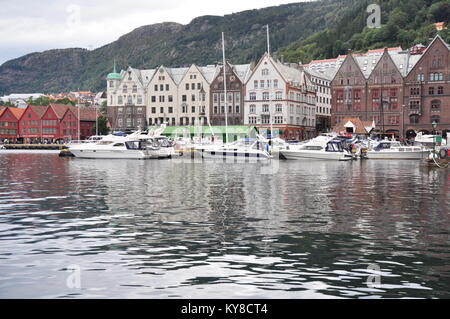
(332, 156)
(239, 155)
(116, 154)
(417, 155)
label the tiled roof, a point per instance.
(360, 128)
(59, 109)
(39, 110)
(177, 74)
(17, 112)
(86, 113)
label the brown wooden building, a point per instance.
(427, 91)
(402, 92)
(235, 82)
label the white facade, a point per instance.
(279, 94)
(193, 95)
(162, 99)
(323, 90)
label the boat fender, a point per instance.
(443, 153)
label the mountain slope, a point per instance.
(404, 23)
(171, 44)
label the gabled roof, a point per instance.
(420, 57)
(360, 127)
(209, 72)
(39, 110)
(16, 112)
(242, 71)
(59, 109)
(86, 113)
(177, 74)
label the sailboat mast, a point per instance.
(270, 93)
(225, 87)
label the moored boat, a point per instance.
(388, 149)
(321, 148)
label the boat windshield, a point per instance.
(334, 146)
(134, 145)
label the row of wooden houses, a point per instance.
(55, 122)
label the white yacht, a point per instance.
(323, 147)
(133, 146)
(427, 140)
(111, 149)
(241, 149)
(388, 149)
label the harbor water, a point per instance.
(75, 228)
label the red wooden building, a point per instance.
(88, 117)
(9, 123)
(30, 125)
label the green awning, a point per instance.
(208, 131)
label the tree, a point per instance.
(102, 126)
(104, 108)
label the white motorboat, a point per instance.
(110, 149)
(388, 149)
(322, 147)
(241, 149)
(427, 140)
(133, 146)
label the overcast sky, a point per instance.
(30, 26)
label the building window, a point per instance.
(440, 90)
(119, 99)
(414, 119)
(184, 98)
(237, 109)
(153, 110)
(431, 90)
(265, 71)
(134, 88)
(275, 84)
(252, 108)
(435, 105)
(414, 105)
(170, 98)
(252, 96)
(170, 109)
(279, 108)
(435, 118)
(139, 99)
(265, 96)
(167, 87)
(265, 108)
(193, 109)
(129, 99)
(278, 95)
(161, 110)
(255, 84)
